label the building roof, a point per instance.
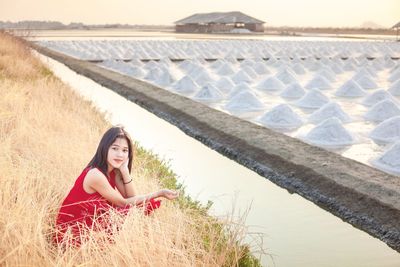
(397, 25)
(218, 17)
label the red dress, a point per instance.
(80, 210)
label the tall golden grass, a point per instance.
(47, 135)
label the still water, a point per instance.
(132, 34)
(295, 231)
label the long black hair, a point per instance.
(100, 158)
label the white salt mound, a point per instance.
(387, 131)
(376, 97)
(394, 76)
(298, 69)
(390, 160)
(217, 64)
(261, 69)
(313, 99)
(186, 86)
(203, 78)
(350, 89)
(153, 74)
(366, 83)
(281, 117)
(395, 88)
(318, 82)
(363, 73)
(249, 70)
(241, 76)
(243, 86)
(165, 79)
(330, 133)
(286, 77)
(136, 72)
(293, 90)
(336, 69)
(208, 94)
(382, 110)
(270, 84)
(225, 69)
(327, 73)
(245, 101)
(225, 84)
(151, 65)
(329, 110)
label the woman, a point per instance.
(104, 183)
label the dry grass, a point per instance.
(47, 135)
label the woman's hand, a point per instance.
(124, 167)
(168, 194)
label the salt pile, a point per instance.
(281, 117)
(313, 99)
(202, 78)
(151, 65)
(293, 90)
(395, 76)
(165, 78)
(136, 71)
(261, 69)
(390, 160)
(250, 72)
(188, 65)
(330, 133)
(225, 69)
(318, 82)
(327, 111)
(366, 83)
(270, 84)
(217, 64)
(241, 87)
(246, 62)
(382, 110)
(153, 74)
(286, 76)
(225, 84)
(350, 89)
(395, 88)
(364, 72)
(377, 97)
(186, 86)
(387, 131)
(298, 69)
(327, 73)
(245, 101)
(242, 76)
(336, 69)
(209, 94)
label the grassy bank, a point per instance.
(47, 135)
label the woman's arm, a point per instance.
(120, 186)
(97, 181)
(127, 183)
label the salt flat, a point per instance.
(340, 95)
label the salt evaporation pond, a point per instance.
(297, 233)
(229, 75)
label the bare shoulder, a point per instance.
(95, 175)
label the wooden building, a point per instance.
(219, 22)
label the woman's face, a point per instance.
(117, 153)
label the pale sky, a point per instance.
(323, 13)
